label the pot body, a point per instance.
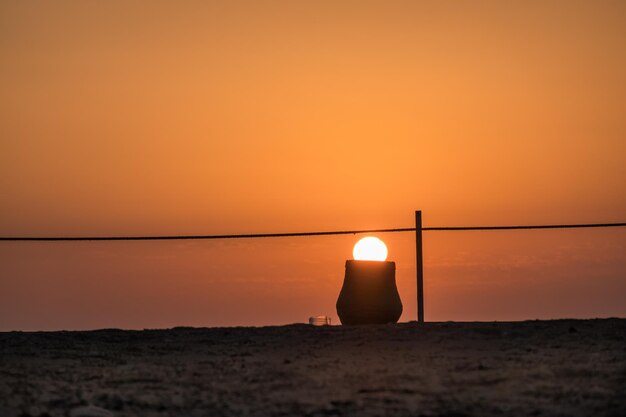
(369, 294)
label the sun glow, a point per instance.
(370, 249)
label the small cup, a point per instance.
(319, 321)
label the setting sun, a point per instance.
(370, 249)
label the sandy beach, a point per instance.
(533, 368)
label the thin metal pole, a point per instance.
(419, 266)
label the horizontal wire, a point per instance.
(296, 234)
(547, 226)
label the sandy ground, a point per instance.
(534, 368)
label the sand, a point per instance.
(534, 368)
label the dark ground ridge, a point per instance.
(557, 367)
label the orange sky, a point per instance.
(240, 116)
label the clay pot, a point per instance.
(369, 294)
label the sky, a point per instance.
(149, 117)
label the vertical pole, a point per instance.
(419, 266)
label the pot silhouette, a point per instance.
(369, 294)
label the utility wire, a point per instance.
(340, 232)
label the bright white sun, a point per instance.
(370, 249)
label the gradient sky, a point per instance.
(245, 117)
